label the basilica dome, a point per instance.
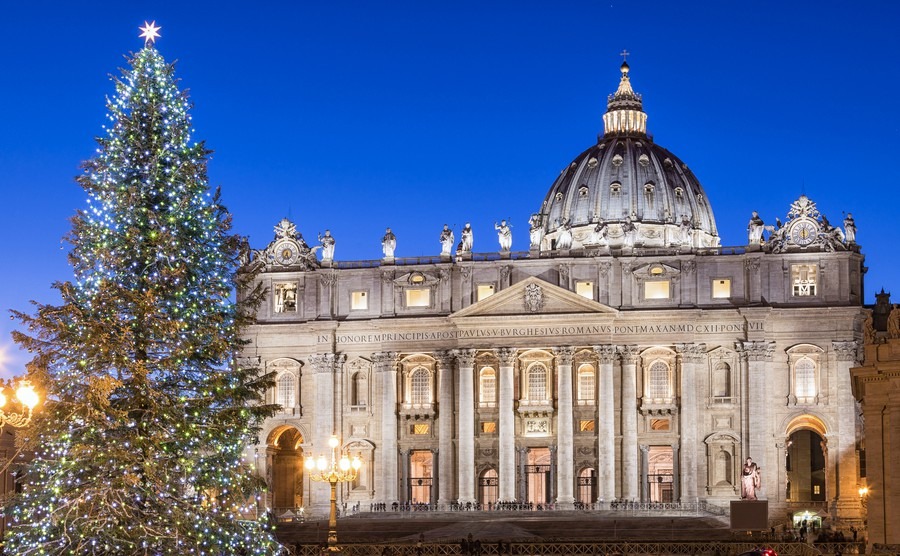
(626, 183)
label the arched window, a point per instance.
(721, 383)
(537, 382)
(359, 389)
(287, 391)
(658, 380)
(805, 378)
(420, 387)
(488, 386)
(586, 383)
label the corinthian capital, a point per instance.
(465, 357)
(691, 353)
(606, 354)
(629, 353)
(564, 355)
(384, 361)
(507, 356)
(323, 362)
(757, 351)
(846, 351)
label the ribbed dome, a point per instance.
(626, 178)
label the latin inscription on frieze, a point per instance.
(543, 331)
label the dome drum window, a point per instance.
(617, 160)
(615, 187)
(644, 160)
(583, 191)
(649, 187)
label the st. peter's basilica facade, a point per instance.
(626, 357)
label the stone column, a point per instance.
(522, 490)
(465, 468)
(386, 366)
(629, 356)
(842, 449)
(404, 476)
(758, 413)
(606, 425)
(507, 472)
(691, 355)
(677, 474)
(645, 473)
(554, 493)
(565, 429)
(445, 428)
(877, 467)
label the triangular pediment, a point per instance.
(533, 296)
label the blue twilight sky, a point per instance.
(355, 116)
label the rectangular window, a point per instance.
(656, 290)
(420, 428)
(804, 279)
(585, 289)
(586, 426)
(659, 424)
(359, 301)
(489, 427)
(485, 291)
(418, 297)
(721, 288)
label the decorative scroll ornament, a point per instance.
(534, 298)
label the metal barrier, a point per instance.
(503, 548)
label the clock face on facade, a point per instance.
(286, 253)
(804, 232)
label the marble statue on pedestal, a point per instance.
(755, 229)
(388, 244)
(446, 240)
(504, 235)
(564, 240)
(466, 239)
(327, 242)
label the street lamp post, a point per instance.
(342, 469)
(27, 397)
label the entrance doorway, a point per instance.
(421, 476)
(286, 460)
(660, 477)
(587, 486)
(805, 466)
(537, 470)
(488, 487)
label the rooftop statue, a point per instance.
(466, 240)
(536, 230)
(388, 244)
(327, 242)
(504, 235)
(446, 240)
(755, 229)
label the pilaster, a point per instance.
(606, 425)
(386, 367)
(692, 356)
(507, 357)
(445, 428)
(629, 355)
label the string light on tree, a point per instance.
(140, 446)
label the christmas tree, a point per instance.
(139, 447)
